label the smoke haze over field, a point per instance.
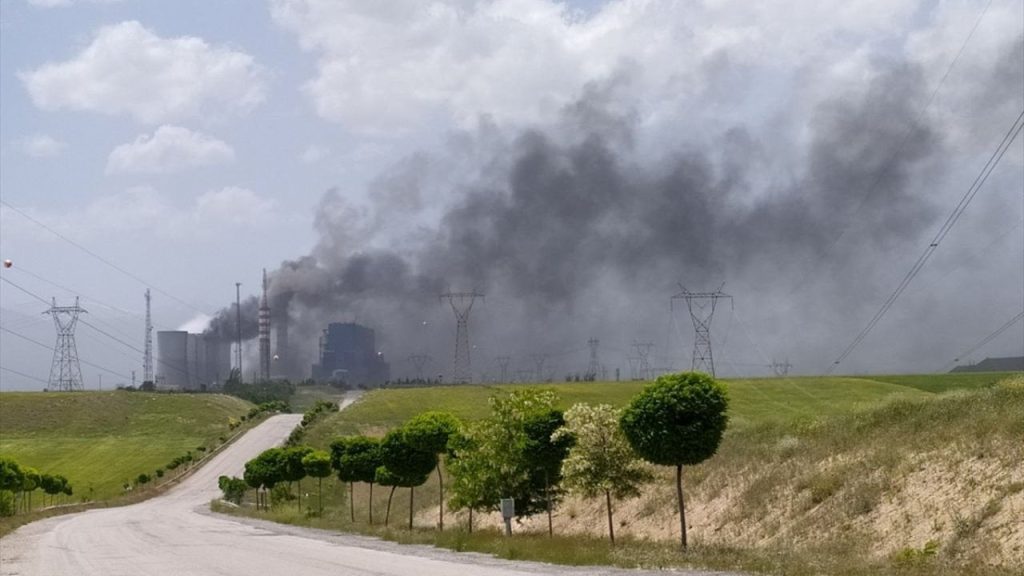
(572, 233)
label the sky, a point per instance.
(575, 161)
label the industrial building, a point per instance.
(348, 353)
(191, 361)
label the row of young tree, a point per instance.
(527, 449)
(17, 483)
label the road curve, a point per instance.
(176, 535)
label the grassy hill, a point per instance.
(907, 474)
(99, 440)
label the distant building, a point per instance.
(191, 361)
(1008, 364)
(348, 353)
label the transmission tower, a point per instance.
(461, 303)
(702, 308)
(538, 362)
(780, 369)
(594, 367)
(643, 364)
(147, 357)
(65, 373)
(419, 362)
(264, 332)
(503, 362)
(238, 329)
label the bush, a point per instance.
(6, 503)
(233, 488)
(159, 472)
(142, 479)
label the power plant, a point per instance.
(348, 353)
(188, 361)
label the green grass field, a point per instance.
(99, 440)
(752, 401)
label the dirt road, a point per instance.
(176, 535)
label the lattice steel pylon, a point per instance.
(538, 362)
(419, 362)
(643, 363)
(65, 373)
(701, 306)
(503, 362)
(462, 304)
(594, 367)
(147, 355)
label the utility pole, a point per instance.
(419, 362)
(594, 367)
(65, 373)
(538, 362)
(238, 329)
(702, 308)
(462, 304)
(147, 357)
(642, 359)
(503, 362)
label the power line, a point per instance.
(895, 155)
(951, 220)
(50, 348)
(102, 259)
(22, 374)
(999, 331)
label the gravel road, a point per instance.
(176, 535)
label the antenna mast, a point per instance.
(147, 357)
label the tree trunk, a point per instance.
(547, 503)
(320, 496)
(387, 515)
(470, 520)
(352, 500)
(411, 490)
(298, 495)
(440, 498)
(682, 509)
(611, 525)
(371, 503)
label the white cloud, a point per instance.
(313, 154)
(386, 66)
(43, 146)
(234, 205)
(129, 70)
(169, 149)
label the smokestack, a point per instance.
(282, 356)
(264, 332)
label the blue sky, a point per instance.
(191, 142)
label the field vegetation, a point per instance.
(883, 475)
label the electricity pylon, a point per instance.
(147, 356)
(643, 364)
(780, 369)
(702, 308)
(65, 373)
(419, 362)
(462, 304)
(538, 362)
(503, 362)
(594, 367)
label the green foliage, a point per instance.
(292, 468)
(601, 459)
(232, 488)
(259, 392)
(265, 470)
(142, 479)
(11, 475)
(7, 506)
(408, 464)
(429, 431)
(678, 420)
(317, 464)
(355, 458)
(507, 454)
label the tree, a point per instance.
(318, 465)
(429, 432)
(495, 458)
(11, 480)
(30, 482)
(265, 471)
(408, 465)
(384, 477)
(232, 488)
(546, 452)
(356, 459)
(601, 460)
(293, 469)
(678, 421)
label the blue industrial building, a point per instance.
(348, 353)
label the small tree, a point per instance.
(384, 477)
(356, 459)
(265, 471)
(29, 484)
(601, 460)
(677, 420)
(11, 480)
(294, 470)
(545, 452)
(232, 488)
(429, 432)
(318, 465)
(409, 465)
